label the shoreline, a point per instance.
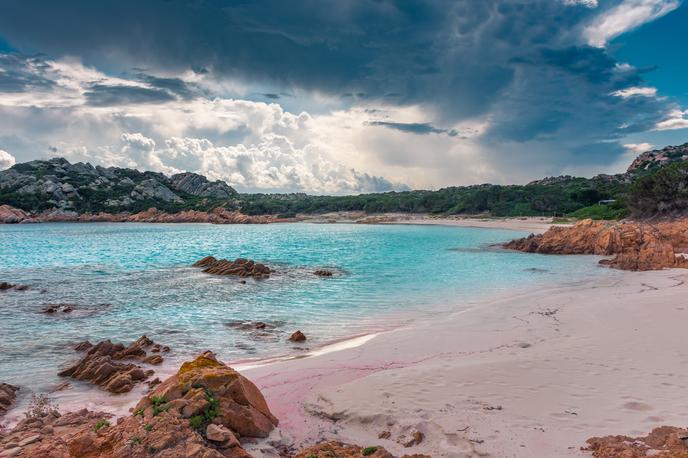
(535, 225)
(513, 365)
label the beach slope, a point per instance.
(532, 375)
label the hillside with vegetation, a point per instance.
(656, 184)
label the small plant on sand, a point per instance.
(148, 427)
(135, 440)
(100, 424)
(138, 413)
(40, 405)
(369, 451)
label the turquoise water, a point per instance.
(131, 279)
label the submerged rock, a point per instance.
(239, 267)
(634, 245)
(323, 273)
(4, 286)
(54, 308)
(8, 393)
(109, 365)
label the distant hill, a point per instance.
(56, 183)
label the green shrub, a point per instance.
(369, 451)
(100, 424)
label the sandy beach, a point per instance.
(532, 375)
(534, 224)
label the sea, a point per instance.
(125, 280)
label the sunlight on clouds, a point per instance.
(6, 160)
(677, 119)
(636, 91)
(624, 17)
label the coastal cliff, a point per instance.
(633, 245)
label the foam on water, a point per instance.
(132, 279)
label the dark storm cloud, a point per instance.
(105, 95)
(414, 127)
(524, 63)
(21, 74)
(453, 54)
(173, 86)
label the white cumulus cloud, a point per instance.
(637, 148)
(677, 119)
(6, 160)
(636, 91)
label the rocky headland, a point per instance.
(633, 245)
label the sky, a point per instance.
(344, 97)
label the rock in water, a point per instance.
(298, 336)
(8, 394)
(109, 365)
(240, 267)
(323, 273)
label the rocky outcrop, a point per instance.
(111, 366)
(633, 245)
(240, 267)
(8, 394)
(654, 159)
(198, 185)
(11, 215)
(75, 187)
(203, 411)
(662, 442)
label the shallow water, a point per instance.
(132, 279)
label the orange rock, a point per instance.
(105, 364)
(8, 393)
(340, 450)
(634, 245)
(11, 215)
(232, 406)
(298, 336)
(239, 267)
(662, 442)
